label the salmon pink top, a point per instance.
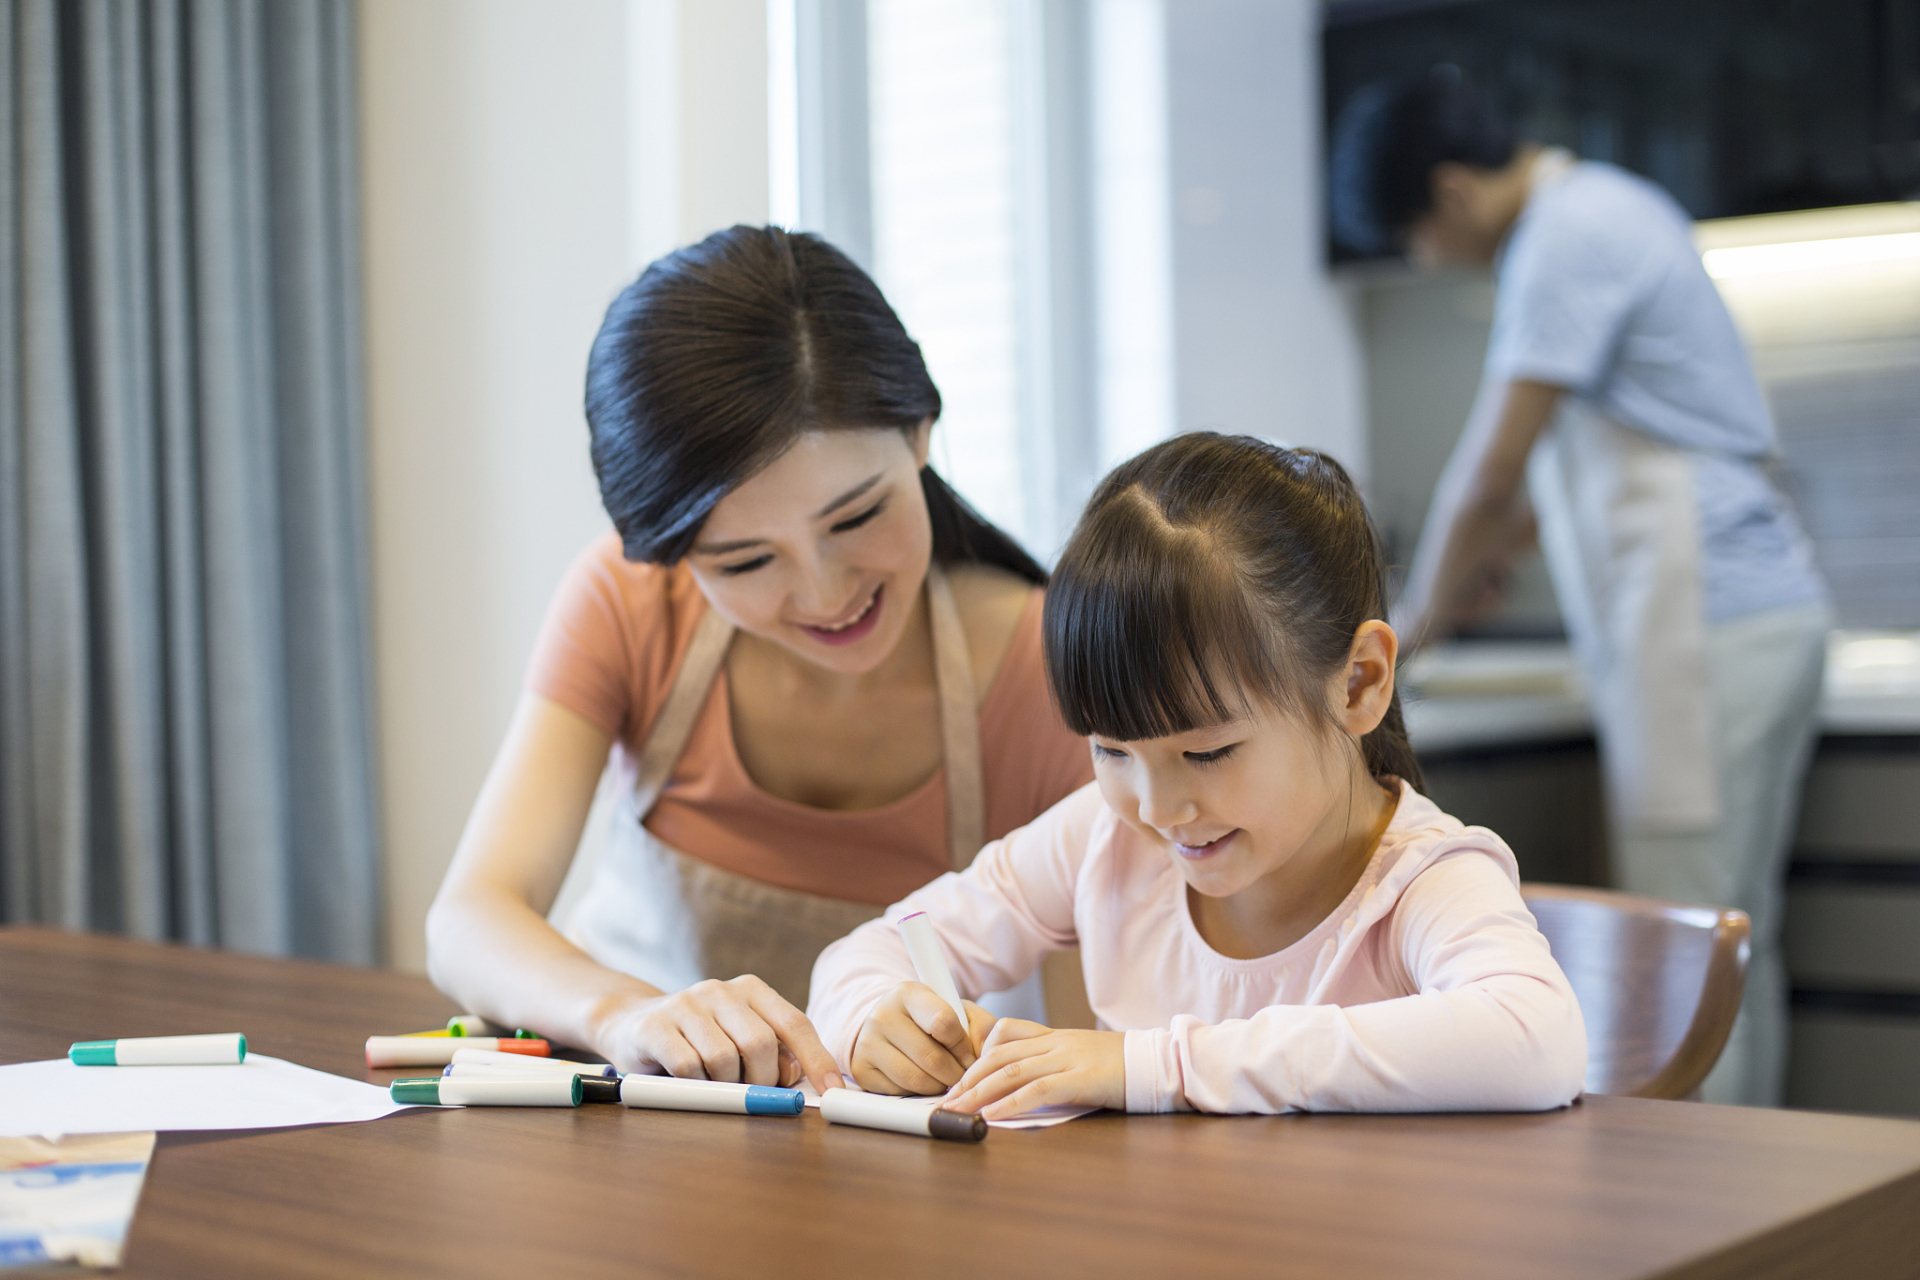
(609, 649)
(1428, 989)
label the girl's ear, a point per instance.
(920, 440)
(1369, 677)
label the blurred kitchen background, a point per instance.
(1103, 221)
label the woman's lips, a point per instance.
(857, 629)
(1196, 852)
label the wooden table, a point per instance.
(1613, 1187)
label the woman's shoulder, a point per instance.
(613, 633)
(993, 604)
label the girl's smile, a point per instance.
(1212, 848)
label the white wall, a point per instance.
(1264, 342)
(499, 221)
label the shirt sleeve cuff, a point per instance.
(1150, 1085)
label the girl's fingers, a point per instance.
(1001, 1070)
(1008, 1029)
(935, 1016)
(902, 1073)
(1038, 1093)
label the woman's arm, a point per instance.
(490, 948)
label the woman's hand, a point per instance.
(1024, 1065)
(740, 1030)
(912, 1044)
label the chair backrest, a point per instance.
(1659, 983)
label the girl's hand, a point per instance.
(741, 1031)
(912, 1044)
(1024, 1065)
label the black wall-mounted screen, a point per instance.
(1734, 106)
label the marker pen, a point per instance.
(466, 1024)
(666, 1093)
(592, 1088)
(441, 1031)
(160, 1051)
(901, 1115)
(930, 963)
(438, 1091)
(484, 1060)
(438, 1051)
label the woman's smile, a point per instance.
(856, 627)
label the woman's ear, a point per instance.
(920, 440)
(1369, 677)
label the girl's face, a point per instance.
(1267, 793)
(824, 551)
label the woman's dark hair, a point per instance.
(709, 366)
(1386, 143)
(1207, 571)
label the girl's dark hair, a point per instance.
(709, 365)
(1386, 143)
(1209, 570)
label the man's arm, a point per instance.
(1479, 518)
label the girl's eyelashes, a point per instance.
(1214, 756)
(1108, 753)
(854, 522)
(745, 566)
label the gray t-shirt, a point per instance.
(1601, 291)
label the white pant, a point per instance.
(1765, 671)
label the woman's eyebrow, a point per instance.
(741, 544)
(849, 495)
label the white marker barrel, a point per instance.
(930, 962)
(900, 1115)
(665, 1093)
(520, 1061)
(526, 1091)
(438, 1051)
(530, 1067)
(161, 1051)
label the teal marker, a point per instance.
(455, 1091)
(161, 1051)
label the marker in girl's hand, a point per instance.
(930, 963)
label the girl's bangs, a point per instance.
(1149, 633)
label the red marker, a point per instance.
(438, 1051)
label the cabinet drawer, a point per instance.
(1860, 806)
(1855, 1062)
(1845, 937)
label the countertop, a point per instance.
(1477, 694)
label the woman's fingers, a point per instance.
(795, 1033)
(755, 1042)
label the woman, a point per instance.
(817, 669)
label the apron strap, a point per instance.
(674, 725)
(959, 723)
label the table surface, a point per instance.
(1612, 1187)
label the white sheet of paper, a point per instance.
(1038, 1118)
(49, 1099)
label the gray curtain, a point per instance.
(184, 672)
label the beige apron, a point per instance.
(1620, 530)
(673, 920)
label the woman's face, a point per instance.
(824, 551)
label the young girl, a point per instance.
(1270, 914)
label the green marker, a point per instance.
(550, 1090)
(161, 1051)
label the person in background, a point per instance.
(1270, 915)
(1619, 419)
(817, 670)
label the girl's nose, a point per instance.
(1164, 805)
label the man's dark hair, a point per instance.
(1389, 138)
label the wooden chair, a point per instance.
(1658, 982)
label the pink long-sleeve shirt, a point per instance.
(1428, 989)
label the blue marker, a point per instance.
(665, 1093)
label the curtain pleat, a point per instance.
(184, 683)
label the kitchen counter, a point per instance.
(1479, 695)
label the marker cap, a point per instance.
(416, 1093)
(955, 1127)
(92, 1053)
